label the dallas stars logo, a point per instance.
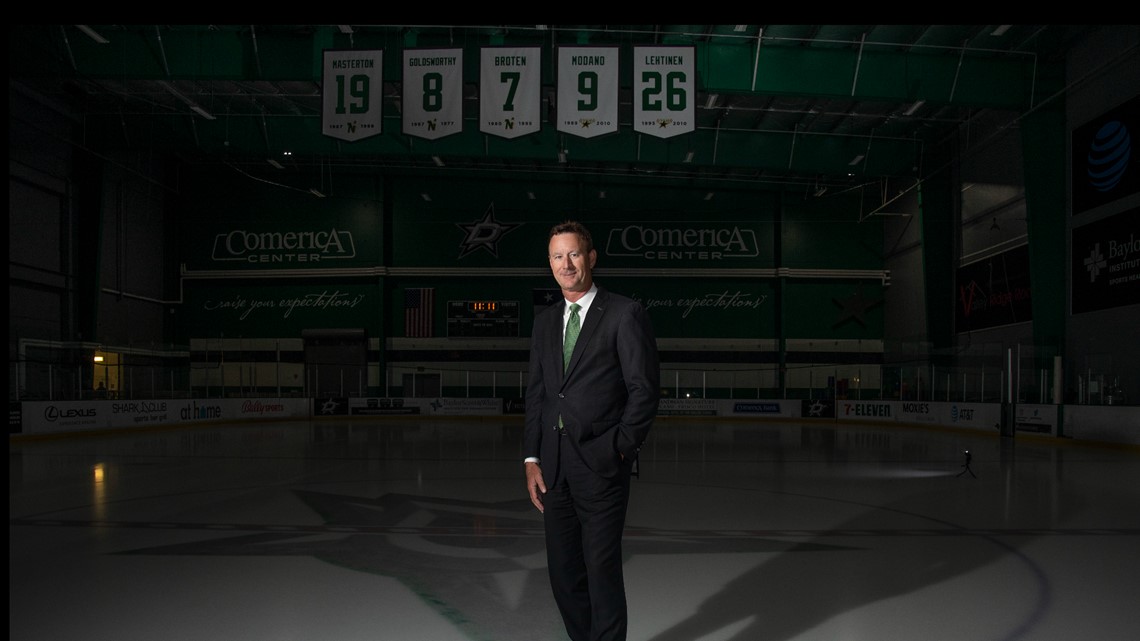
(480, 564)
(816, 409)
(854, 307)
(329, 406)
(485, 233)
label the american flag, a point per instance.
(419, 305)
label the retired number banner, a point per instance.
(352, 89)
(588, 90)
(510, 80)
(664, 89)
(433, 92)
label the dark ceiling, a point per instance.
(779, 106)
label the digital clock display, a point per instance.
(483, 305)
(486, 318)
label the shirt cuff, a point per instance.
(531, 459)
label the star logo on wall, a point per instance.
(485, 233)
(329, 406)
(854, 307)
(816, 409)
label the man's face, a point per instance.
(572, 268)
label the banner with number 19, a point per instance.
(352, 91)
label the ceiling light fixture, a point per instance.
(855, 161)
(275, 163)
(740, 27)
(711, 102)
(709, 196)
(438, 161)
(345, 28)
(913, 108)
(190, 103)
(689, 157)
(426, 197)
(1000, 30)
(530, 195)
(316, 192)
(601, 194)
(91, 33)
(562, 156)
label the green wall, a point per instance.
(703, 263)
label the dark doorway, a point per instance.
(336, 362)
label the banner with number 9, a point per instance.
(588, 90)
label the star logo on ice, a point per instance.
(485, 233)
(1095, 262)
(479, 564)
(815, 409)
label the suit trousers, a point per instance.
(584, 519)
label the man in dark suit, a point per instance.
(587, 414)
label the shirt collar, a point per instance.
(585, 302)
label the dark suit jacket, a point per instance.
(608, 396)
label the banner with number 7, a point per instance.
(510, 83)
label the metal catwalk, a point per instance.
(420, 530)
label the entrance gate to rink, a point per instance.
(336, 362)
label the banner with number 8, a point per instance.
(433, 92)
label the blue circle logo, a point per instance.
(1109, 154)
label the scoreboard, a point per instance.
(482, 318)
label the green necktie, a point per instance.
(573, 326)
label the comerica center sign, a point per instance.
(283, 246)
(682, 243)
